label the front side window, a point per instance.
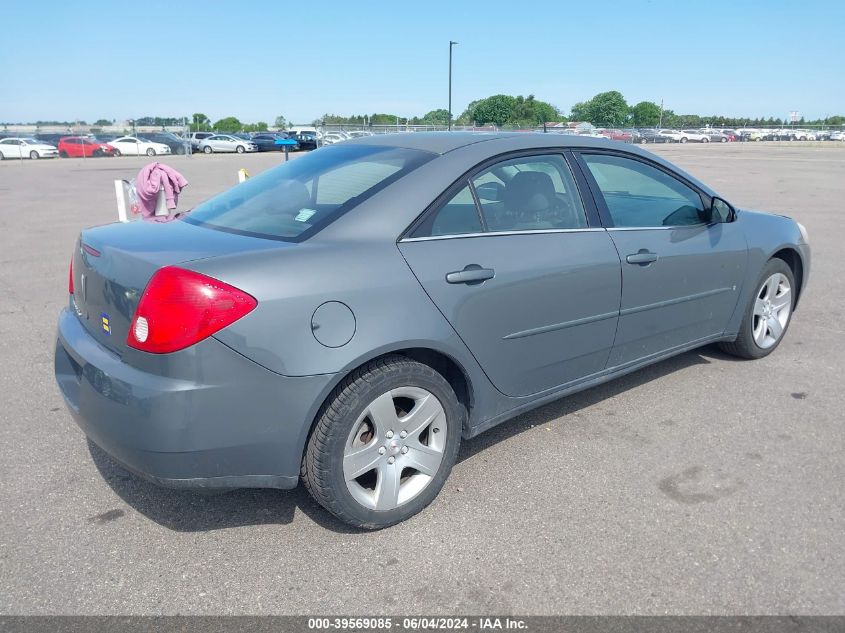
(530, 194)
(639, 195)
(298, 198)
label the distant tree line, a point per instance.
(606, 109)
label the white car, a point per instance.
(333, 137)
(693, 135)
(26, 148)
(837, 136)
(135, 146)
(804, 135)
(226, 143)
(672, 134)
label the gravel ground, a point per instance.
(701, 485)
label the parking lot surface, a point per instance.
(701, 485)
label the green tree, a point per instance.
(606, 109)
(645, 114)
(228, 124)
(497, 110)
(102, 122)
(200, 123)
(435, 117)
(281, 122)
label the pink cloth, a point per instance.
(150, 180)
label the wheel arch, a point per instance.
(793, 259)
(439, 359)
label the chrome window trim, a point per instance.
(659, 228)
(429, 238)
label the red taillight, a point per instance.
(70, 278)
(180, 308)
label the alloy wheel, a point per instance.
(772, 309)
(395, 448)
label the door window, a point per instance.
(639, 195)
(529, 194)
(532, 193)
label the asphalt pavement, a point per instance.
(701, 485)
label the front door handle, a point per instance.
(472, 274)
(643, 257)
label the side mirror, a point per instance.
(720, 211)
(490, 191)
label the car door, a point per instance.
(528, 283)
(681, 269)
(11, 148)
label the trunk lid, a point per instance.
(113, 263)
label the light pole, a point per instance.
(451, 44)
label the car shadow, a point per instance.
(193, 511)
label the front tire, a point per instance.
(33, 155)
(151, 152)
(768, 314)
(384, 443)
(207, 149)
(240, 149)
(683, 139)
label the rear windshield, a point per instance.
(293, 201)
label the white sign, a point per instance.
(794, 116)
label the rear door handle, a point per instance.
(471, 274)
(643, 257)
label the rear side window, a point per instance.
(639, 195)
(296, 199)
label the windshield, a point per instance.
(293, 201)
(31, 141)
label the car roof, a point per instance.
(443, 142)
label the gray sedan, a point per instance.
(226, 143)
(348, 318)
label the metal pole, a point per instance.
(451, 44)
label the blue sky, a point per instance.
(256, 59)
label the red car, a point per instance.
(76, 146)
(617, 135)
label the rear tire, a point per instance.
(151, 152)
(683, 139)
(765, 324)
(63, 154)
(360, 461)
(705, 140)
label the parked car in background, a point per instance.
(241, 135)
(266, 142)
(731, 134)
(617, 135)
(83, 147)
(803, 135)
(196, 138)
(226, 143)
(26, 147)
(837, 136)
(49, 138)
(329, 320)
(136, 146)
(654, 136)
(333, 137)
(714, 136)
(177, 144)
(686, 136)
(306, 140)
(360, 133)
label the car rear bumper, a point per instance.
(209, 418)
